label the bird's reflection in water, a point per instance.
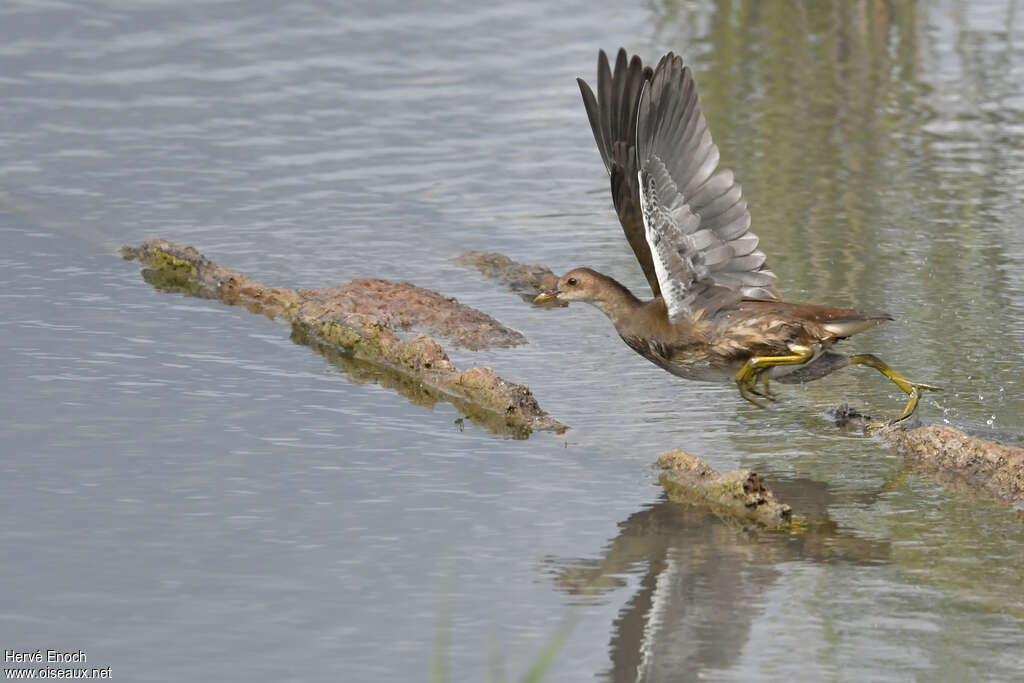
(701, 580)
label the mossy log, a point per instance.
(739, 496)
(362, 319)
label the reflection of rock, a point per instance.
(361, 319)
(738, 496)
(701, 581)
(526, 281)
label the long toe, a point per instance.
(766, 390)
(908, 410)
(748, 393)
(908, 386)
(767, 394)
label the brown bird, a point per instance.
(716, 312)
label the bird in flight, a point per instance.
(716, 311)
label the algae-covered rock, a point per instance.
(402, 306)
(170, 267)
(358, 324)
(738, 496)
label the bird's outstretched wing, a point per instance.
(612, 117)
(696, 221)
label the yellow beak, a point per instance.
(546, 297)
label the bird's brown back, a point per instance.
(770, 327)
(822, 323)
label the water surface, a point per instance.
(189, 495)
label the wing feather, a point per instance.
(697, 218)
(612, 113)
(744, 244)
(687, 223)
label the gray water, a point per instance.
(188, 495)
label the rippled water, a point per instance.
(190, 495)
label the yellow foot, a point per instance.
(913, 389)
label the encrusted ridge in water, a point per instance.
(360, 319)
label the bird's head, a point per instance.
(581, 284)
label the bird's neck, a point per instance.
(616, 302)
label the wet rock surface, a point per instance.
(359, 322)
(739, 496)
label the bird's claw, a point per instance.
(747, 384)
(914, 390)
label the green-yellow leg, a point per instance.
(913, 389)
(746, 378)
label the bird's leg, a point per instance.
(755, 367)
(913, 389)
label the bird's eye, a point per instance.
(572, 282)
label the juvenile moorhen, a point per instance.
(716, 311)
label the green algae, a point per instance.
(525, 280)
(168, 273)
(339, 335)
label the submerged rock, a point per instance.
(358, 324)
(526, 281)
(738, 496)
